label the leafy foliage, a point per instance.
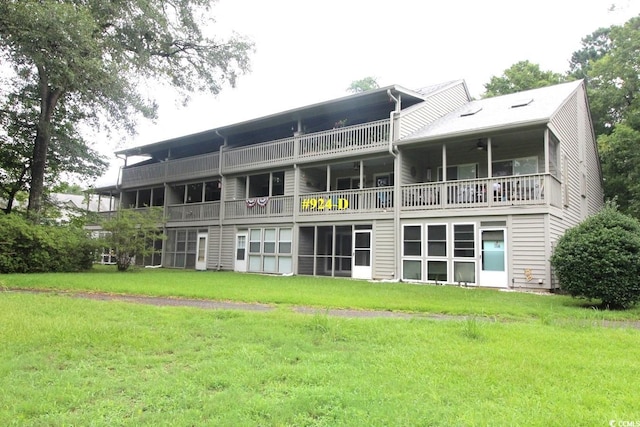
(600, 259)
(363, 85)
(32, 248)
(522, 75)
(87, 62)
(132, 233)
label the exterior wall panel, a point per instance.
(384, 253)
(528, 252)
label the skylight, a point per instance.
(522, 103)
(470, 112)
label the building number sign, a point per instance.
(321, 204)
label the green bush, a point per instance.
(31, 248)
(600, 259)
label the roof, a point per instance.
(518, 109)
(346, 103)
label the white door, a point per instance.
(493, 263)
(201, 251)
(361, 254)
(240, 263)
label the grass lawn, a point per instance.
(69, 361)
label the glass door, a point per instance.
(361, 254)
(493, 270)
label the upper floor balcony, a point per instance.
(200, 166)
(326, 145)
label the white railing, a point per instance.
(473, 193)
(347, 139)
(368, 200)
(193, 211)
(253, 207)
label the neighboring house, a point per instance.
(426, 186)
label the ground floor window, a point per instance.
(270, 250)
(441, 253)
(180, 248)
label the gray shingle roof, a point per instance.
(528, 107)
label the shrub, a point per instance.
(600, 259)
(32, 248)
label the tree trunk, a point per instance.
(48, 100)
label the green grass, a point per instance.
(322, 292)
(68, 361)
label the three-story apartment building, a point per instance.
(426, 186)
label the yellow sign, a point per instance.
(322, 204)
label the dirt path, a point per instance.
(260, 307)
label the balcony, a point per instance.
(259, 207)
(521, 190)
(347, 202)
(193, 212)
(360, 139)
(201, 166)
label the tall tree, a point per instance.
(594, 47)
(94, 56)
(522, 75)
(614, 80)
(363, 85)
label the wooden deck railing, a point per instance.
(368, 200)
(255, 207)
(538, 189)
(345, 140)
(204, 165)
(193, 211)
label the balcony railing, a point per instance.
(194, 211)
(345, 140)
(265, 207)
(368, 200)
(171, 170)
(538, 189)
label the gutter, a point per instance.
(396, 187)
(221, 215)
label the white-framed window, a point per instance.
(412, 252)
(520, 166)
(440, 252)
(270, 250)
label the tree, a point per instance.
(522, 75)
(363, 85)
(131, 234)
(594, 47)
(620, 158)
(614, 80)
(94, 56)
(68, 153)
(600, 259)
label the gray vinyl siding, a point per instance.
(433, 108)
(384, 250)
(580, 169)
(289, 182)
(221, 257)
(213, 248)
(528, 251)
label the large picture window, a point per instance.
(440, 253)
(270, 250)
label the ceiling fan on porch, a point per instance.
(481, 145)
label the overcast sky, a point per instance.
(310, 51)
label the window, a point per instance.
(194, 192)
(412, 244)
(521, 166)
(467, 171)
(437, 240)
(463, 241)
(270, 250)
(412, 247)
(212, 191)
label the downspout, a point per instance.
(221, 214)
(396, 185)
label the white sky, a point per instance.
(310, 51)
